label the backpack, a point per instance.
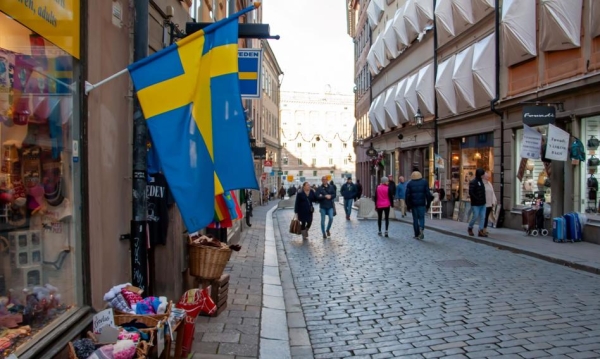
(577, 150)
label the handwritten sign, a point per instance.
(139, 258)
(102, 319)
(557, 145)
(531, 144)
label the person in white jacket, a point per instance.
(490, 198)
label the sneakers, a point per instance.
(421, 234)
(347, 218)
(324, 236)
(379, 234)
(482, 233)
(328, 234)
(470, 230)
(386, 234)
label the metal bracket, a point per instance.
(125, 237)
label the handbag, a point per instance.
(593, 143)
(593, 161)
(295, 226)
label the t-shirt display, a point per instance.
(157, 193)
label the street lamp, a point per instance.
(419, 119)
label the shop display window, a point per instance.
(590, 178)
(39, 247)
(535, 184)
(467, 154)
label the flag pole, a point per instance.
(89, 87)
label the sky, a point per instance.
(314, 50)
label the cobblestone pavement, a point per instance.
(374, 297)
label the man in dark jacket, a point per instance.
(325, 196)
(348, 191)
(477, 195)
(418, 200)
(358, 190)
(392, 187)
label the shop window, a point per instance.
(589, 189)
(454, 173)
(467, 154)
(314, 174)
(563, 64)
(533, 185)
(40, 264)
(523, 77)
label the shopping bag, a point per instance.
(295, 226)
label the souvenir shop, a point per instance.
(467, 154)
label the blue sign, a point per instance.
(250, 64)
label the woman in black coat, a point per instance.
(304, 208)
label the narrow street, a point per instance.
(374, 297)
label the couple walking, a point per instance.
(324, 194)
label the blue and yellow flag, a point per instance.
(189, 93)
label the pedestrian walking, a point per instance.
(477, 195)
(332, 184)
(401, 195)
(418, 200)
(359, 190)
(281, 193)
(348, 191)
(490, 198)
(325, 197)
(304, 208)
(392, 187)
(384, 199)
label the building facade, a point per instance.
(474, 77)
(316, 137)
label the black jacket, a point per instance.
(320, 195)
(418, 193)
(477, 189)
(358, 190)
(303, 205)
(392, 187)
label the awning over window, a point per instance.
(372, 62)
(380, 111)
(561, 24)
(425, 90)
(390, 41)
(463, 12)
(462, 77)
(411, 20)
(375, 12)
(443, 13)
(425, 13)
(401, 102)
(391, 113)
(481, 8)
(373, 117)
(399, 26)
(484, 63)
(379, 50)
(595, 24)
(518, 31)
(410, 95)
(444, 86)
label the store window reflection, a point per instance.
(39, 261)
(535, 183)
(589, 168)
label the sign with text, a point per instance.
(531, 144)
(538, 115)
(557, 145)
(250, 65)
(102, 319)
(267, 166)
(55, 20)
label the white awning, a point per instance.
(372, 62)
(518, 31)
(401, 102)
(410, 95)
(379, 50)
(463, 13)
(390, 41)
(380, 111)
(399, 27)
(462, 77)
(411, 19)
(484, 64)
(443, 14)
(444, 85)
(375, 12)
(425, 90)
(481, 8)
(373, 117)
(561, 24)
(595, 24)
(391, 113)
(425, 13)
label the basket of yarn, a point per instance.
(86, 348)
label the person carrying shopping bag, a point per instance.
(304, 208)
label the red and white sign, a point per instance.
(267, 166)
(268, 163)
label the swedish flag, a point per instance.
(189, 93)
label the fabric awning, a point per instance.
(390, 41)
(462, 77)
(518, 31)
(373, 117)
(463, 13)
(372, 62)
(425, 90)
(380, 111)
(391, 112)
(375, 12)
(481, 8)
(484, 64)
(410, 95)
(379, 50)
(595, 23)
(561, 24)
(401, 102)
(444, 85)
(443, 13)
(425, 13)
(399, 26)
(411, 20)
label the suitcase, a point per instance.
(558, 229)
(573, 227)
(528, 216)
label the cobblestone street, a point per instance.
(374, 297)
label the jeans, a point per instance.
(418, 215)
(478, 213)
(329, 213)
(348, 206)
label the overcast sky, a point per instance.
(315, 49)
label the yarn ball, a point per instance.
(84, 348)
(124, 349)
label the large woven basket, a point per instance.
(207, 262)
(141, 351)
(159, 317)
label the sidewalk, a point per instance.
(581, 255)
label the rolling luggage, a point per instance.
(528, 216)
(573, 227)
(559, 229)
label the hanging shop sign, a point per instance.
(531, 144)
(260, 153)
(55, 20)
(250, 64)
(268, 166)
(539, 115)
(557, 147)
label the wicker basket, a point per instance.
(158, 317)
(207, 262)
(141, 351)
(145, 319)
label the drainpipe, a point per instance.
(436, 144)
(139, 253)
(372, 191)
(497, 112)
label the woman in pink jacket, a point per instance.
(383, 201)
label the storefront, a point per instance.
(588, 171)
(40, 240)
